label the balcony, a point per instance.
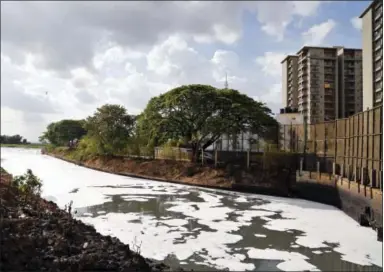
(349, 78)
(378, 24)
(349, 57)
(349, 64)
(377, 35)
(379, 55)
(302, 94)
(329, 56)
(302, 57)
(378, 13)
(349, 72)
(379, 97)
(378, 45)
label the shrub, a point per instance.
(28, 183)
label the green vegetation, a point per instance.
(28, 183)
(109, 129)
(2, 171)
(13, 140)
(192, 116)
(24, 145)
(60, 133)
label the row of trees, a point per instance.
(14, 139)
(192, 116)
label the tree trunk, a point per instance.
(195, 154)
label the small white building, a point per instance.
(242, 142)
(291, 130)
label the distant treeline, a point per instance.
(13, 139)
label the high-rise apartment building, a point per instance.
(372, 19)
(317, 83)
(350, 80)
(329, 82)
(290, 95)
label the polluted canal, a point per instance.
(204, 229)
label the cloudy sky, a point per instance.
(64, 59)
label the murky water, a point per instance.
(206, 229)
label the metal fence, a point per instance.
(354, 144)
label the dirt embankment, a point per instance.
(256, 180)
(166, 170)
(37, 236)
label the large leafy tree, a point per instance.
(200, 114)
(60, 133)
(111, 128)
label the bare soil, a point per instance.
(167, 170)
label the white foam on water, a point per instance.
(240, 199)
(248, 215)
(260, 235)
(87, 214)
(362, 249)
(137, 199)
(293, 261)
(152, 237)
(59, 178)
(175, 222)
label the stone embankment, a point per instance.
(38, 236)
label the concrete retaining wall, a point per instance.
(353, 198)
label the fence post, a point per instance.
(373, 141)
(248, 158)
(318, 169)
(315, 140)
(367, 138)
(305, 143)
(215, 157)
(335, 142)
(301, 167)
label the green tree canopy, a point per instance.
(200, 114)
(14, 139)
(60, 133)
(110, 127)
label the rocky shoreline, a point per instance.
(36, 235)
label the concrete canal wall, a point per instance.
(362, 203)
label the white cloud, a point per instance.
(271, 63)
(316, 35)
(270, 96)
(357, 23)
(65, 59)
(275, 16)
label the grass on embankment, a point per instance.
(23, 145)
